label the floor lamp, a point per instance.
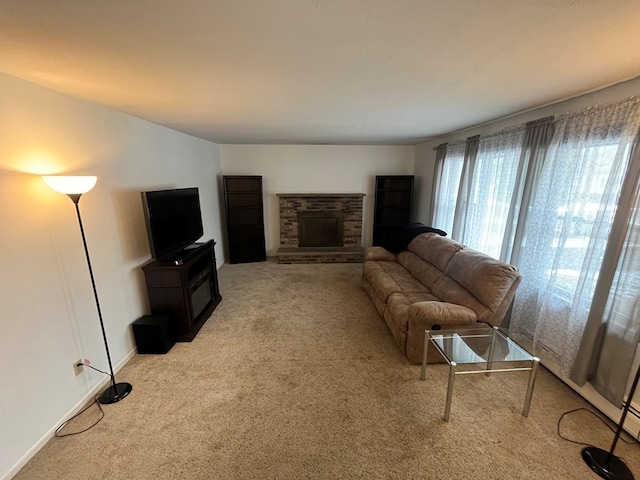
(604, 463)
(74, 187)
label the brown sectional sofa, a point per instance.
(436, 283)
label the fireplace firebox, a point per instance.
(320, 229)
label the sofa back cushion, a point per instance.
(424, 271)
(449, 290)
(435, 249)
(487, 280)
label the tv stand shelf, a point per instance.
(185, 288)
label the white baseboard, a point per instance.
(631, 423)
(76, 408)
(591, 395)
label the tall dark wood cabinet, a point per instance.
(392, 212)
(245, 218)
(186, 289)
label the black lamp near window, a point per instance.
(74, 187)
(604, 463)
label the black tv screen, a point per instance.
(173, 219)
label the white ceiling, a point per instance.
(321, 71)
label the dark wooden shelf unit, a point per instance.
(245, 220)
(185, 288)
(392, 212)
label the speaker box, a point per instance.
(154, 333)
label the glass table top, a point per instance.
(477, 345)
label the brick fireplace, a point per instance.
(320, 227)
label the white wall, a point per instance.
(48, 315)
(315, 169)
(425, 155)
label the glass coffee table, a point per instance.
(487, 347)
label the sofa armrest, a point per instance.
(435, 316)
(432, 313)
(380, 254)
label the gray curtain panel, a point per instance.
(441, 152)
(460, 216)
(537, 138)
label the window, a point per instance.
(491, 192)
(584, 194)
(445, 205)
(562, 203)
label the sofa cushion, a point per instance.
(486, 278)
(414, 297)
(442, 313)
(396, 315)
(390, 277)
(377, 302)
(419, 268)
(407, 259)
(450, 291)
(435, 249)
(379, 253)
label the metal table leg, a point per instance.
(425, 349)
(491, 348)
(532, 380)
(452, 375)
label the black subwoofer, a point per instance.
(154, 333)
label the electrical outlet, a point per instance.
(78, 369)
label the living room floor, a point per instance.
(295, 375)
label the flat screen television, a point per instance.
(173, 219)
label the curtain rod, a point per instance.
(504, 131)
(585, 111)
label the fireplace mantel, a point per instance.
(305, 195)
(349, 205)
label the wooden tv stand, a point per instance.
(185, 288)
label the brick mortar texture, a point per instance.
(349, 205)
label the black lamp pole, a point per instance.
(116, 391)
(604, 463)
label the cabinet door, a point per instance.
(186, 291)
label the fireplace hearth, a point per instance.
(320, 228)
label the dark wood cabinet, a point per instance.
(186, 289)
(392, 211)
(245, 220)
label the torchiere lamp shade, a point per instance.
(70, 184)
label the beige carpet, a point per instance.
(295, 376)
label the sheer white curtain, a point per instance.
(568, 227)
(490, 190)
(448, 183)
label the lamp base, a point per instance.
(115, 393)
(605, 464)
